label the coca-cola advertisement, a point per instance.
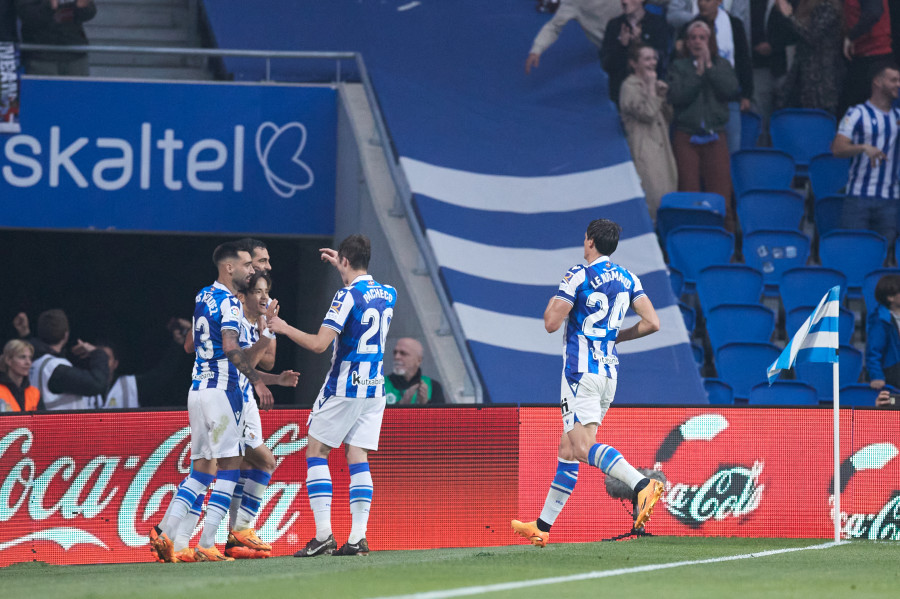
(87, 487)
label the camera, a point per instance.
(893, 399)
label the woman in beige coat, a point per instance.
(646, 116)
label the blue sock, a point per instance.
(560, 489)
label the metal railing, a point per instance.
(401, 185)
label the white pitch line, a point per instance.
(512, 586)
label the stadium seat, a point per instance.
(728, 284)
(858, 395)
(828, 174)
(744, 365)
(677, 281)
(691, 249)
(854, 253)
(803, 133)
(751, 126)
(761, 168)
(770, 209)
(739, 322)
(868, 288)
(718, 392)
(783, 393)
(699, 354)
(819, 374)
(689, 316)
(774, 251)
(681, 208)
(797, 316)
(807, 285)
(828, 213)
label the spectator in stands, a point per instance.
(868, 135)
(883, 336)
(57, 23)
(16, 392)
(635, 25)
(592, 15)
(731, 44)
(817, 72)
(886, 399)
(867, 45)
(681, 12)
(64, 385)
(646, 116)
(770, 34)
(700, 85)
(407, 385)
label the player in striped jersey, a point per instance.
(868, 136)
(350, 406)
(592, 301)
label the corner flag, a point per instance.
(817, 339)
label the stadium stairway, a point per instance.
(506, 170)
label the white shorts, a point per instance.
(252, 431)
(352, 420)
(217, 420)
(595, 393)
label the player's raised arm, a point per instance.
(649, 322)
(317, 343)
(556, 314)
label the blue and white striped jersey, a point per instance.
(866, 124)
(361, 313)
(248, 337)
(216, 310)
(600, 294)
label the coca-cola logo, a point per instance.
(731, 491)
(881, 525)
(122, 489)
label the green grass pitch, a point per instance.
(854, 570)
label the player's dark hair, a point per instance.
(251, 244)
(881, 67)
(52, 326)
(254, 279)
(357, 249)
(886, 286)
(605, 234)
(227, 251)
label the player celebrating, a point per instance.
(350, 406)
(215, 403)
(592, 301)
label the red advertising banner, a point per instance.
(87, 487)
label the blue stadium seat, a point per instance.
(718, 392)
(773, 252)
(770, 209)
(828, 213)
(691, 249)
(689, 316)
(729, 284)
(807, 285)
(677, 281)
(744, 365)
(699, 354)
(819, 374)
(803, 133)
(681, 208)
(783, 393)
(854, 253)
(858, 395)
(797, 316)
(729, 323)
(751, 126)
(868, 288)
(761, 168)
(828, 174)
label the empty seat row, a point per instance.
(789, 393)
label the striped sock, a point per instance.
(188, 524)
(360, 500)
(318, 487)
(217, 506)
(164, 523)
(195, 484)
(254, 488)
(560, 489)
(612, 463)
(236, 499)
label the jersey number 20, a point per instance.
(378, 325)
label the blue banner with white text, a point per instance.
(188, 157)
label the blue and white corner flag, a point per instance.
(817, 339)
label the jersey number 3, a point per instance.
(201, 334)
